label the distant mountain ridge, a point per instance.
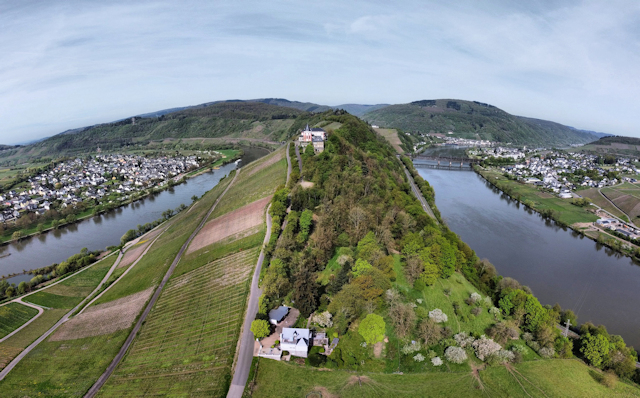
(476, 120)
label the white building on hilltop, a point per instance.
(296, 341)
(315, 136)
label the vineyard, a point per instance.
(14, 315)
(187, 344)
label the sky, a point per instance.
(69, 64)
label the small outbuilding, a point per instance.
(276, 315)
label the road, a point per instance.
(418, 195)
(288, 164)
(62, 320)
(613, 204)
(125, 347)
(245, 352)
(40, 311)
(299, 159)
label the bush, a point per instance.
(436, 361)
(485, 347)
(609, 379)
(411, 348)
(438, 316)
(455, 354)
(463, 339)
(372, 328)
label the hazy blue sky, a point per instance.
(70, 64)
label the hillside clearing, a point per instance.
(392, 136)
(14, 315)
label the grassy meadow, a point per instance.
(14, 315)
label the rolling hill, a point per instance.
(229, 120)
(475, 120)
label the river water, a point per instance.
(559, 265)
(105, 230)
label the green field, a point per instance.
(594, 195)
(562, 208)
(62, 368)
(14, 315)
(549, 378)
(627, 197)
(19, 341)
(187, 344)
(71, 291)
(254, 182)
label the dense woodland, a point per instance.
(361, 216)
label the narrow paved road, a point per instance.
(418, 195)
(245, 353)
(125, 347)
(288, 164)
(65, 318)
(613, 204)
(299, 159)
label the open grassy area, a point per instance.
(562, 208)
(550, 378)
(14, 315)
(187, 344)
(256, 180)
(391, 135)
(19, 341)
(594, 195)
(62, 368)
(71, 291)
(627, 197)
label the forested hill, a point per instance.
(232, 119)
(475, 120)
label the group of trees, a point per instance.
(72, 264)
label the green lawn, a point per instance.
(563, 209)
(14, 315)
(62, 368)
(187, 344)
(551, 378)
(19, 341)
(254, 183)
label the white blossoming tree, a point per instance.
(484, 347)
(438, 316)
(455, 354)
(475, 297)
(323, 319)
(463, 339)
(436, 361)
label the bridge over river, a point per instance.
(446, 161)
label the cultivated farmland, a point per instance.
(14, 315)
(187, 344)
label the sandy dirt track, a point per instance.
(233, 223)
(104, 318)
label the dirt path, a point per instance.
(40, 311)
(125, 347)
(65, 318)
(246, 345)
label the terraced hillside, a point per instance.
(475, 120)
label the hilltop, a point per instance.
(475, 120)
(225, 121)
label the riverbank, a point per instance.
(562, 211)
(229, 156)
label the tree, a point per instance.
(17, 235)
(40, 228)
(306, 219)
(372, 328)
(55, 224)
(22, 287)
(360, 267)
(10, 292)
(194, 198)
(594, 348)
(260, 328)
(403, 318)
(276, 282)
(430, 331)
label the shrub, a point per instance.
(432, 354)
(476, 311)
(463, 339)
(519, 349)
(487, 302)
(372, 328)
(484, 347)
(609, 379)
(438, 316)
(495, 311)
(475, 297)
(323, 319)
(436, 361)
(547, 352)
(455, 354)
(411, 348)
(419, 358)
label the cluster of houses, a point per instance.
(551, 172)
(502, 152)
(314, 136)
(293, 341)
(74, 181)
(623, 228)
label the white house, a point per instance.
(315, 136)
(296, 341)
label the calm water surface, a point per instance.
(105, 230)
(598, 284)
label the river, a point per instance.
(559, 265)
(105, 230)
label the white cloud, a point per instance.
(64, 65)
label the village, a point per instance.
(100, 178)
(564, 173)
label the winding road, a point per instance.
(125, 347)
